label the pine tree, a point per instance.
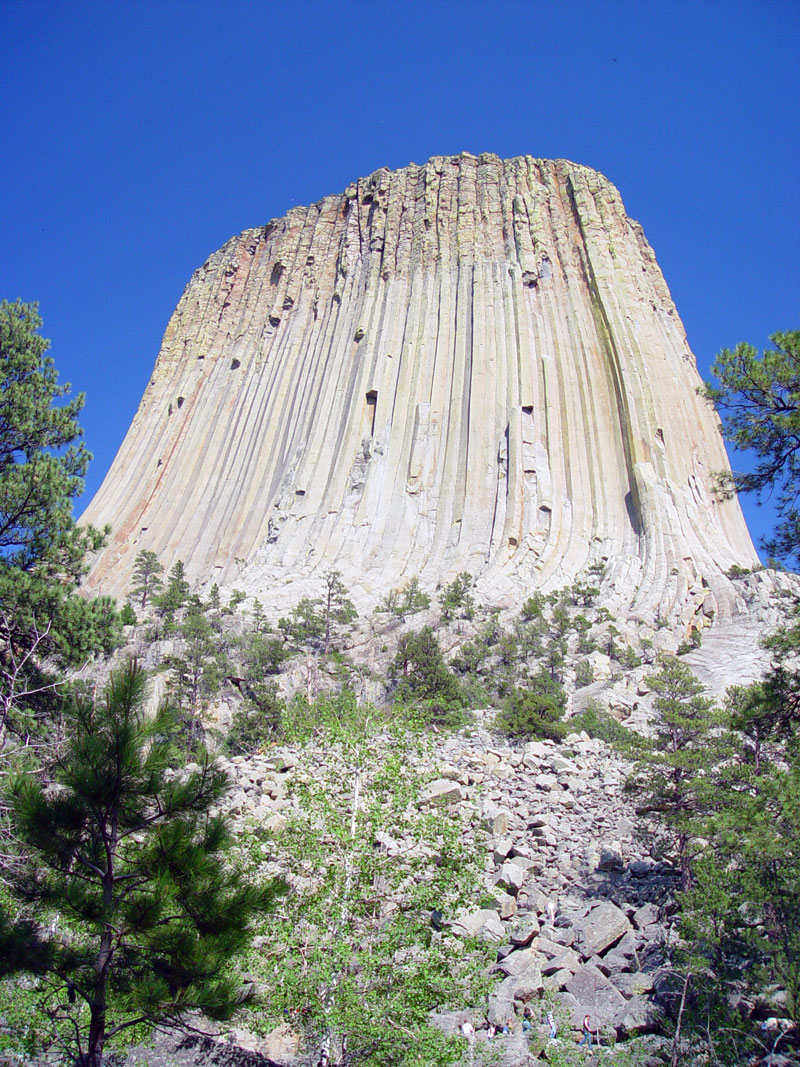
(457, 601)
(173, 597)
(314, 623)
(423, 678)
(675, 774)
(535, 711)
(44, 623)
(146, 578)
(759, 400)
(337, 609)
(131, 860)
(197, 670)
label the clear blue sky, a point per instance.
(138, 136)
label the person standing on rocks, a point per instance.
(552, 1024)
(587, 1031)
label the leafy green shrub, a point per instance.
(358, 954)
(330, 714)
(257, 723)
(597, 722)
(534, 712)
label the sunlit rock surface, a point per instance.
(474, 364)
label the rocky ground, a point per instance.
(581, 906)
(581, 902)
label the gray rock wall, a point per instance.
(471, 364)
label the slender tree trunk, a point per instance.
(676, 1041)
(328, 622)
(97, 1024)
(99, 1004)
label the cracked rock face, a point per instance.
(474, 364)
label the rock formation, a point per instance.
(474, 364)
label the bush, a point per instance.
(257, 723)
(535, 712)
(424, 679)
(456, 600)
(597, 722)
(584, 674)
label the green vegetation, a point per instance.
(315, 623)
(146, 579)
(45, 626)
(596, 722)
(673, 779)
(536, 711)
(406, 601)
(758, 398)
(359, 963)
(126, 903)
(196, 672)
(422, 678)
(456, 600)
(135, 916)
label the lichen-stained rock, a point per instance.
(474, 364)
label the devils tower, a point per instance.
(474, 364)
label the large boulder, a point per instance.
(639, 1015)
(594, 993)
(603, 926)
(483, 923)
(519, 962)
(442, 791)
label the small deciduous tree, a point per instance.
(131, 862)
(362, 965)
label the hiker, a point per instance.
(552, 1024)
(587, 1031)
(468, 1030)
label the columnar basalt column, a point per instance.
(474, 364)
